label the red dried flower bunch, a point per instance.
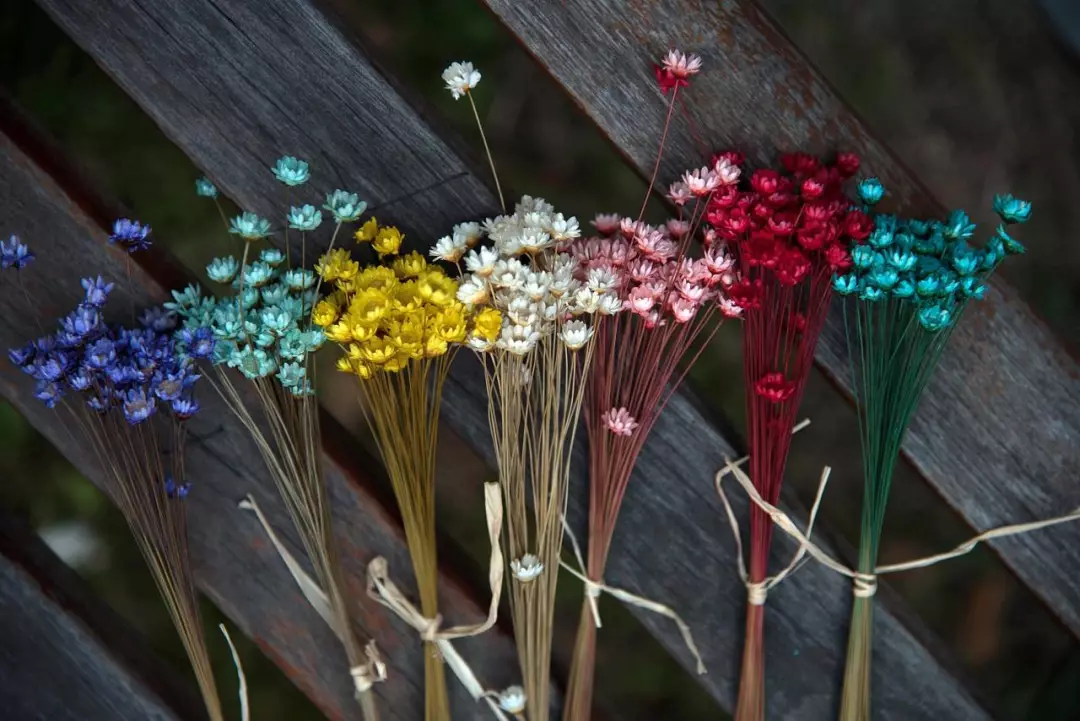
(790, 230)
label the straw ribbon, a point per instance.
(864, 585)
(386, 592)
(364, 675)
(593, 589)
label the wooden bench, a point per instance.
(234, 84)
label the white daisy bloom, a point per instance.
(527, 568)
(512, 700)
(609, 304)
(680, 64)
(529, 204)
(473, 291)
(518, 339)
(563, 229)
(470, 232)
(534, 240)
(537, 284)
(586, 301)
(447, 249)
(576, 334)
(508, 274)
(480, 345)
(727, 172)
(701, 182)
(601, 280)
(481, 261)
(460, 78)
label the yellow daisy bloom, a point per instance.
(410, 265)
(379, 350)
(436, 287)
(325, 313)
(487, 323)
(377, 277)
(337, 264)
(339, 332)
(367, 231)
(387, 241)
(369, 306)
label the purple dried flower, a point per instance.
(200, 342)
(49, 393)
(131, 235)
(185, 407)
(172, 490)
(79, 325)
(138, 406)
(80, 380)
(97, 291)
(22, 357)
(158, 319)
(14, 254)
(100, 354)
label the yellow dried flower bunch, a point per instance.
(395, 311)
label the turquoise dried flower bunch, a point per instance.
(908, 285)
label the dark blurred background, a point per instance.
(977, 97)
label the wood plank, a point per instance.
(998, 432)
(66, 655)
(235, 565)
(396, 138)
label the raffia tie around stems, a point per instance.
(864, 585)
(758, 593)
(365, 675)
(593, 589)
(384, 591)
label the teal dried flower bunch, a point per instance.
(907, 287)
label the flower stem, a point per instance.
(660, 152)
(491, 160)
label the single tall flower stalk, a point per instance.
(264, 331)
(789, 232)
(672, 304)
(130, 393)
(910, 283)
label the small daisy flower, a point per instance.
(460, 78)
(448, 249)
(473, 291)
(205, 189)
(576, 334)
(512, 700)
(606, 224)
(620, 422)
(726, 171)
(469, 233)
(679, 193)
(291, 171)
(481, 262)
(527, 568)
(681, 65)
(700, 182)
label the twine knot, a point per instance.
(593, 589)
(864, 586)
(429, 630)
(757, 593)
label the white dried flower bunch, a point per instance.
(530, 278)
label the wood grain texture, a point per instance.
(397, 141)
(235, 564)
(998, 432)
(66, 655)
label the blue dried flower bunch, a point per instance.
(131, 391)
(908, 284)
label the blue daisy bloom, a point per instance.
(871, 293)
(22, 357)
(299, 278)
(928, 286)
(291, 374)
(272, 256)
(1011, 209)
(14, 254)
(80, 324)
(276, 320)
(917, 227)
(185, 407)
(138, 405)
(900, 259)
(223, 270)
(862, 256)
(257, 274)
(97, 291)
(315, 339)
(934, 317)
(965, 260)
(871, 191)
(100, 354)
(291, 171)
(249, 298)
(959, 225)
(273, 294)
(158, 318)
(904, 288)
(880, 238)
(205, 189)
(249, 226)
(344, 206)
(972, 287)
(80, 380)
(1010, 244)
(131, 235)
(49, 393)
(884, 277)
(845, 284)
(293, 346)
(303, 388)
(305, 218)
(184, 299)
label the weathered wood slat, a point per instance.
(65, 655)
(235, 564)
(998, 432)
(233, 131)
